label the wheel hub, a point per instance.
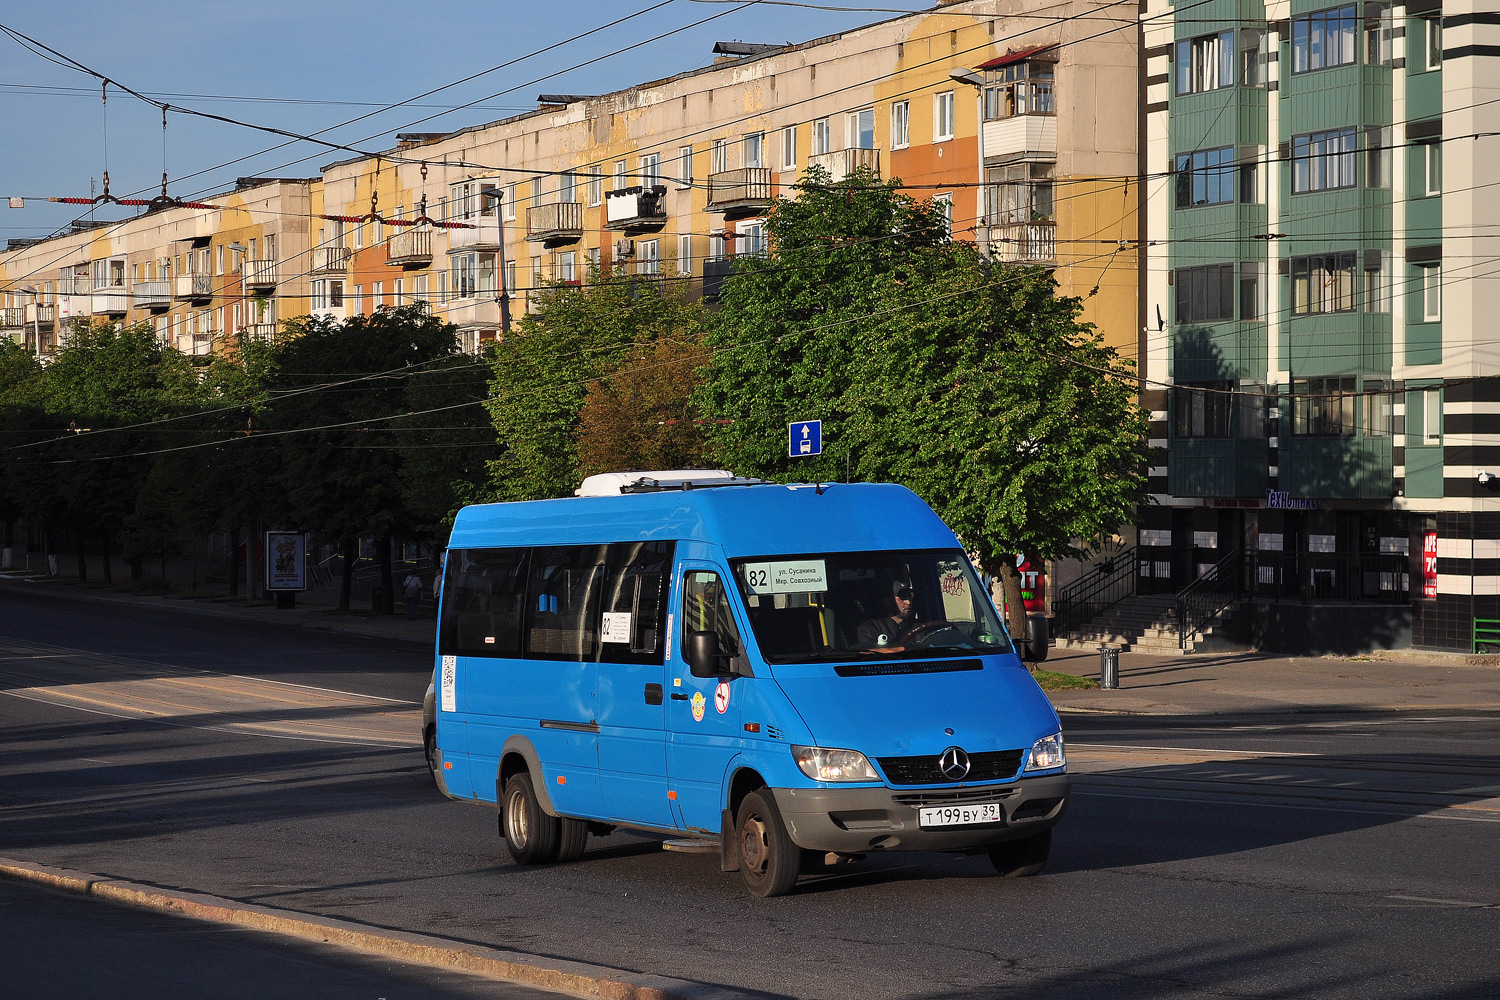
(753, 851)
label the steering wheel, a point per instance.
(922, 633)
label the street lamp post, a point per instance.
(976, 80)
(502, 292)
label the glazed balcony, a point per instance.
(411, 248)
(845, 162)
(481, 233)
(740, 193)
(636, 209)
(556, 224)
(473, 312)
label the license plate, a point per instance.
(974, 812)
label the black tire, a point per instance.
(769, 861)
(573, 836)
(531, 835)
(429, 747)
(1022, 858)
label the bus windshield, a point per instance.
(867, 605)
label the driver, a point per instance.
(886, 630)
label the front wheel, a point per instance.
(1022, 858)
(769, 861)
(530, 834)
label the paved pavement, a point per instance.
(1198, 683)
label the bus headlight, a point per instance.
(834, 765)
(1047, 754)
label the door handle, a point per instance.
(679, 697)
(653, 694)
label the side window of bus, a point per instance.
(705, 608)
(636, 585)
(563, 602)
(483, 602)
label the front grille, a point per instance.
(955, 797)
(993, 765)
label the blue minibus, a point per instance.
(791, 674)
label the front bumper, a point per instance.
(858, 820)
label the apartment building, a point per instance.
(235, 261)
(1021, 124)
(1312, 312)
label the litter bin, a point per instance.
(1109, 667)
(377, 599)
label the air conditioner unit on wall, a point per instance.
(624, 248)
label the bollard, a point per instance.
(1109, 667)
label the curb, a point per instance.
(576, 978)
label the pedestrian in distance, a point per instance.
(411, 589)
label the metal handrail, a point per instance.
(1112, 582)
(1203, 600)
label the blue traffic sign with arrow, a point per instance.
(804, 438)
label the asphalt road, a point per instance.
(1253, 856)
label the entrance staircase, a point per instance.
(1145, 624)
(1104, 608)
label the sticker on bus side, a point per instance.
(615, 627)
(450, 684)
(788, 576)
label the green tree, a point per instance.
(971, 383)
(543, 371)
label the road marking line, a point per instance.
(1447, 902)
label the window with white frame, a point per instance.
(900, 124)
(942, 116)
(1023, 88)
(685, 254)
(359, 238)
(754, 147)
(1204, 63)
(1432, 293)
(377, 294)
(859, 129)
(750, 238)
(1432, 37)
(472, 275)
(789, 148)
(943, 205)
(536, 272)
(685, 166)
(592, 256)
(718, 247)
(822, 137)
(1432, 415)
(719, 157)
(398, 292)
(567, 187)
(621, 176)
(509, 207)
(1432, 167)
(648, 256)
(596, 188)
(419, 291)
(1378, 281)
(651, 169)
(567, 267)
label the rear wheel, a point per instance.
(530, 834)
(1022, 858)
(429, 746)
(769, 861)
(572, 837)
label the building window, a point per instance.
(942, 205)
(1202, 410)
(860, 128)
(1378, 157)
(684, 254)
(567, 267)
(1019, 89)
(1324, 161)
(596, 188)
(942, 116)
(1205, 294)
(750, 239)
(821, 137)
(472, 274)
(719, 161)
(1432, 36)
(1323, 283)
(1206, 177)
(1432, 415)
(1252, 290)
(1205, 63)
(789, 148)
(651, 169)
(508, 202)
(754, 147)
(1252, 59)
(1323, 39)
(1377, 291)
(567, 187)
(1432, 294)
(1325, 406)
(685, 166)
(648, 257)
(1020, 194)
(1432, 167)
(900, 125)
(1378, 34)
(622, 176)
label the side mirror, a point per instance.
(704, 656)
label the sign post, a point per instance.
(804, 438)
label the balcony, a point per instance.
(330, 260)
(154, 295)
(1030, 243)
(472, 312)
(636, 209)
(1021, 137)
(265, 333)
(193, 287)
(259, 274)
(41, 314)
(845, 162)
(741, 193)
(554, 225)
(483, 234)
(410, 248)
(111, 300)
(338, 312)
(12, 319)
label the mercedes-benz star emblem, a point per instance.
(954, 764)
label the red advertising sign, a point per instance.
(1033, 585)
(1429, 564)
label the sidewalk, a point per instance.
(1196, 684)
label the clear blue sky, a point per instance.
(298, 62)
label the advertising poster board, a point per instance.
(286, 560)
